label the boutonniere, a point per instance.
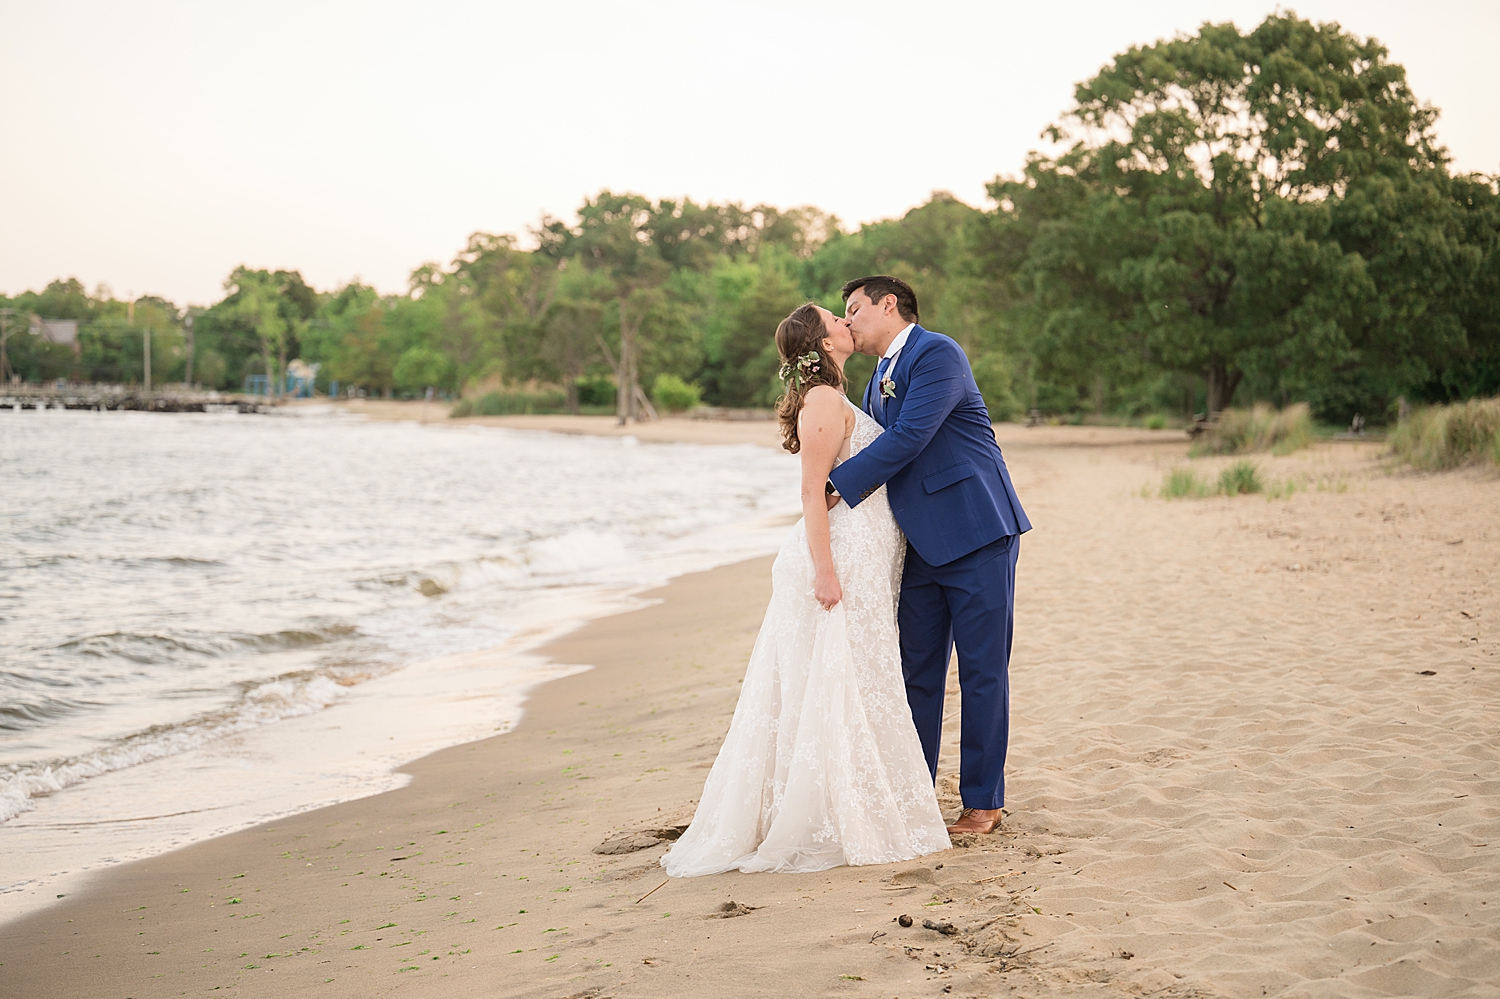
(888, 387)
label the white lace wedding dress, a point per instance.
(821, 766)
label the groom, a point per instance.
(951, 493)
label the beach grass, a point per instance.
(1242, 478)
(1184, 483)
(1259, 428)
(1436, 438)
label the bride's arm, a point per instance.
(821, 428)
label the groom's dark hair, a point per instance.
(880, 285)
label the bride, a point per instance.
(821, 765)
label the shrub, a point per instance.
(1260, 428)
(1156, 421)
(673, 394)
(1442, 437)
(513, 403)
(1241, 477)
(596, 390)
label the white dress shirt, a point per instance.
(894, 353)
(894, 350)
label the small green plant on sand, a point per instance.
(1283, 489)
(1241, 477)
(1156, 421)
(1182, 483)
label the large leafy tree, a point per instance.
(745, 301)
(349, 337)
(613, 238)
(923, 247)
(258, 324)
(1199, 214)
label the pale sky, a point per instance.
(154, 146)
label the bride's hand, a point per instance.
(827, 590)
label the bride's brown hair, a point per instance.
(804, 363)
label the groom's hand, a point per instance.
(834, 499)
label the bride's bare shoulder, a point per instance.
(825, 405)
(824, 396)
(824, 402)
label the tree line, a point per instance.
(1223, 218)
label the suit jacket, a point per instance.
(946, 480)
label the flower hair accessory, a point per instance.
(799, 371)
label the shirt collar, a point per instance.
(899, 342)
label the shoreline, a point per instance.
(1208, 695)
(666, 430)
(195, 870)
(478, 693)
(130, 805)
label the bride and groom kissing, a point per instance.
(907, 548)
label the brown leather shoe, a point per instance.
(976, 820)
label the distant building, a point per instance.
(63, 331)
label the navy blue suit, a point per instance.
(951, 493)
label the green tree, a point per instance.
(258, 324)
(257, 305)
(1195, 219)
(570, 333)
(422, 367)
(748, 298)
(613, 237)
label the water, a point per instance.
(207, 621)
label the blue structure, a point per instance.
(301, 379)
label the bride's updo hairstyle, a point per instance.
(804, 363)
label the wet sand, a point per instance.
(1254, 752)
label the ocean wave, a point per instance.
(262, 704)
(18, 713)
(149, 648)
(576, 551)
(184, 561)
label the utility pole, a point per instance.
(7, 316)
(188, 325)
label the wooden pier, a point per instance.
(100, 398)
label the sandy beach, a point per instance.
(1254, 752)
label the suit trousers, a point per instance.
(969, 602)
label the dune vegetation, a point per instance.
(1434, 438)
(1260, 428)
